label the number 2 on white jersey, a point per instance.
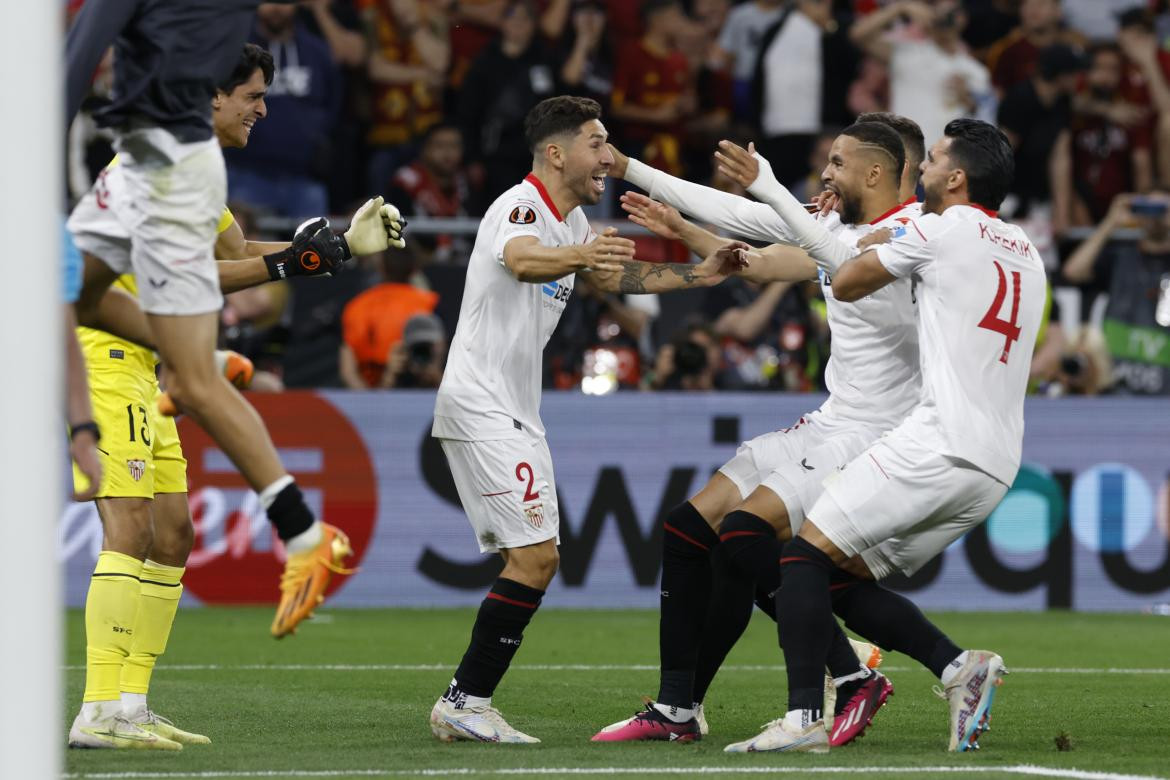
(1009, 329)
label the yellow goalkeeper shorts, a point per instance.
(140, 450)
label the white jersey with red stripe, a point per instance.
(491, 386)
(873, 374)
(981, 287)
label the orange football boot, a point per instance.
(306, 576)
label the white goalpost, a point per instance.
(32, 423)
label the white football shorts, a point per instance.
(154, 214)
(900, 503)
(507, 489)
(794, 462)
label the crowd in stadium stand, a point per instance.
(424, 101)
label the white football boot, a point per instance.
(115, 731)
(970, 696)
(778, 737)
(475, 724)
(153, 723)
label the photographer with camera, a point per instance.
(373, 324)
(417, 360)
(1137, 277)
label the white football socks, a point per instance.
(676, 714)
(133, 703)
(98, 711)
(953, 668)
(305, 540)
(269, 494)
(799, 720)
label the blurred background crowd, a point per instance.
(424, 100)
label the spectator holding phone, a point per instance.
(1137, 277)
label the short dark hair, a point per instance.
(985, 155)
(1058, 60)
(913, 142)
(1137, 16)
(556, 115)
(884, 138)
(1103, 47)
(251, 58)
(439, 127)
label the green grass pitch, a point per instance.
(348, 697)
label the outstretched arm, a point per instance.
(740, 216)
(533, 262)
(755, 173)
(376, 226)
(665, 221)
(774, 263)
(637, 277)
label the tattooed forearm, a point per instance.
(661, 276)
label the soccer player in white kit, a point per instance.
(168, 60)
(531, 242)
(724, 543)
(980, 289)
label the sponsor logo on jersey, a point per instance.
(522, 215)
(137, 468)
(898, 232)
(556, 293)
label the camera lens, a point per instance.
(422, 353)
(1073, 365)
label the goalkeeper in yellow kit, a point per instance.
(142, 501)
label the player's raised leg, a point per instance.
(315, 550)
(969, 677)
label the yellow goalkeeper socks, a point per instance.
(111, 611)
(157, 604)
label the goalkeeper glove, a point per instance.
(315, 251)
(376, 226)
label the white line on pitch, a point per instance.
(1018, 769)
(583, 668)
